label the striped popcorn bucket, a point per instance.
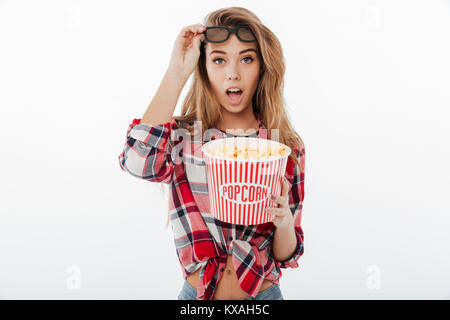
(239, 188)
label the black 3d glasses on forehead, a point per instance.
(218, 34)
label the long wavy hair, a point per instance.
(200, 103)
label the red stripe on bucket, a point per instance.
(247, 216)
(250, 206)
(216, 177)
(223, 200)
(226, 203)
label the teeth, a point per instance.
(234, 90)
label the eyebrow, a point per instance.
(223, 52)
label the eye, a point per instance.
(248, 57)
(217, 59)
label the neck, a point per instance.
(244, 121)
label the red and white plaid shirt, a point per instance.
(153, 153)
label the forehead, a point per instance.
(232, 46)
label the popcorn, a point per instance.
(247, 152)
(239, 191)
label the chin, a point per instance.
(234, 109)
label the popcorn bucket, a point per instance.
(242, 173)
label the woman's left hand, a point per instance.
(282, 214)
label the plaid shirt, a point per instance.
(201, 241)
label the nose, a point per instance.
(233, 76)
(232, 71)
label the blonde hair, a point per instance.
(200, 103)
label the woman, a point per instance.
(236, 52)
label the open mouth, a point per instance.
(234, 97)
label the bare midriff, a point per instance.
(228, 287)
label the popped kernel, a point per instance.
(247, 152)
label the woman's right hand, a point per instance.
(186, 49)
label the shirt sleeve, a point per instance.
(296, 196)
(148, 151)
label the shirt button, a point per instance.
(222, 269)
(230, 238)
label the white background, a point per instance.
(367, 86)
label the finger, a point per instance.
(195, 28)
(201, 27)
(188, 34)
(277, 212)
(201, 37)
(285, 186)
(193, 38)
(282, 185)
(281, 200)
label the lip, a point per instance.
(237, 102)
(233, 87)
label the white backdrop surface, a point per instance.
(367, 85)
